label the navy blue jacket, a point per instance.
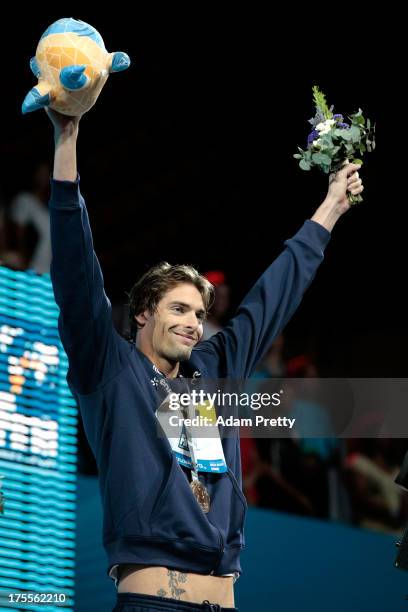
(150, 515)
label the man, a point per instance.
(173, 536)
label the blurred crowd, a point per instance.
(25, 227)
(327, 477)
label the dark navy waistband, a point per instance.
(154, 602)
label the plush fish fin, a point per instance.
(35, 100)
(120, 61)
(73, 77)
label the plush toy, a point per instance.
(72, 65)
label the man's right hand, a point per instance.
(63, 124)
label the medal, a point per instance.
(201, 495)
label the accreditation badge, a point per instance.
(208, 451)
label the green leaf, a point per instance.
(358, 120)
(297, 156)
(354, 133)
(321, 103)
(321, 158)
(304, 165)
(327, 141)
(357, 116)
(345, 134)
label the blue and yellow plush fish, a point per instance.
(72, 65)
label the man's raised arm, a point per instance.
(95, 350)
(274, 298)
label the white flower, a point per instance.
(325, 127)
(317, 143)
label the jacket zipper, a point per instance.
(221, 550)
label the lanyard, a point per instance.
(187, 412)
(163, 388)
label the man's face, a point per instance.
(177, 324)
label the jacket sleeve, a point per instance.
(96, 352)
(268, 306)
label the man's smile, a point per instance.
(186, 338)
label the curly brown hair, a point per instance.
(152, 286)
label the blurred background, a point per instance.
(188, 157)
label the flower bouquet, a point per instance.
(334, 142)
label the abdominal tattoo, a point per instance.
(175, 578)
